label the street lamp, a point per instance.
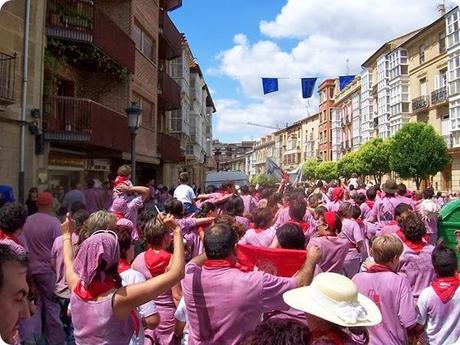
(134, 112)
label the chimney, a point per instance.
(441, 9)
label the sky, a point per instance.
(237, 42)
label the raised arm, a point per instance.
(305, 275)
(129, 297)
(67, 252)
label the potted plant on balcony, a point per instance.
(77, 18)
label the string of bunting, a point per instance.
(270, 85)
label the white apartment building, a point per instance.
(453, 50)
(356, 118)
(336, 134)
(383, 97)
(367, 107)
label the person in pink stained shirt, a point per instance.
(151, 263)
(429, 211)
(263, 233)
(337, 196)
(92, 197)
(402, 196)
(401, 212)
(250, 203)
(351, 232)
(439, 304)
(383, 211)
(334, 249)
(415, 261)
(222, 302)
(360, 200)
(40, 231)
(13, 216)
(235, 208)
(391, 292)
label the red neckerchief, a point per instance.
(156, 263)
(377, 268)
(445, 287)
(370, 203)
(224, 263)
(5, 236)
(258, 230)
(94, 289)
(329, 335)
(119, 180)
(302, 225)
(417, 247)
(123, 265)
(118, 215)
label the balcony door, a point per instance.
(66, 111)
(423, 87)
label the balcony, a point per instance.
(7, 69)
(420, 103)
(169, 92)
(83, 121)
(82, 22)
(439, 96)
(170, 38)
(170, 5)
(169, 148)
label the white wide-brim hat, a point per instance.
(335, 298)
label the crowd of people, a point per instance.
(329, 263)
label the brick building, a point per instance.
(326, 93)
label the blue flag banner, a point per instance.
(344, 80)
(270, 85)
(308, 85)
(272, 169)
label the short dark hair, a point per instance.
(297, 209)
(263, 218)
(444, 261)
(413, 227)
(77, 206)
(290, 236)
(174, 207)
(234, 206)
(12, 217)
(228, 184)
(402, 208)
(206, 207)
(219, 241)
(402, 189)
(371, 193)
(210, 189)
(154, 233)
(90, 183)
(428, 193)
(8, 255)
(278, 332)
(145, 216)
(80, 218)
(124, 239)
(355, 212)
(359, 198)
(244, 190)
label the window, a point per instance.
(421, 53)
(148, 111)
(144, 42)
(423, 89)
(442, 42)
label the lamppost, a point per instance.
(134, 112)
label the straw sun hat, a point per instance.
(335, 298)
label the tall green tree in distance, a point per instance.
(327, 171)
(374, 156)
(417, 152)
(309, 169)
(349, 164)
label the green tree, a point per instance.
(374, 156)
(263, 180)
(417, 152)
(349, 164)
(309, 169)
(327, 171)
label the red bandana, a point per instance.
(417, 247)
(94, 289)
(302, 225)
(377, 268)
(224, 263)
(119, 180)
(156, 262)
(445, 287)
(123, 265)
(118, 215)
(5, 236)
(330, 219)
(370, 203)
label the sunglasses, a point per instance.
(105, 232)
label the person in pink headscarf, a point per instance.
(102, 310)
